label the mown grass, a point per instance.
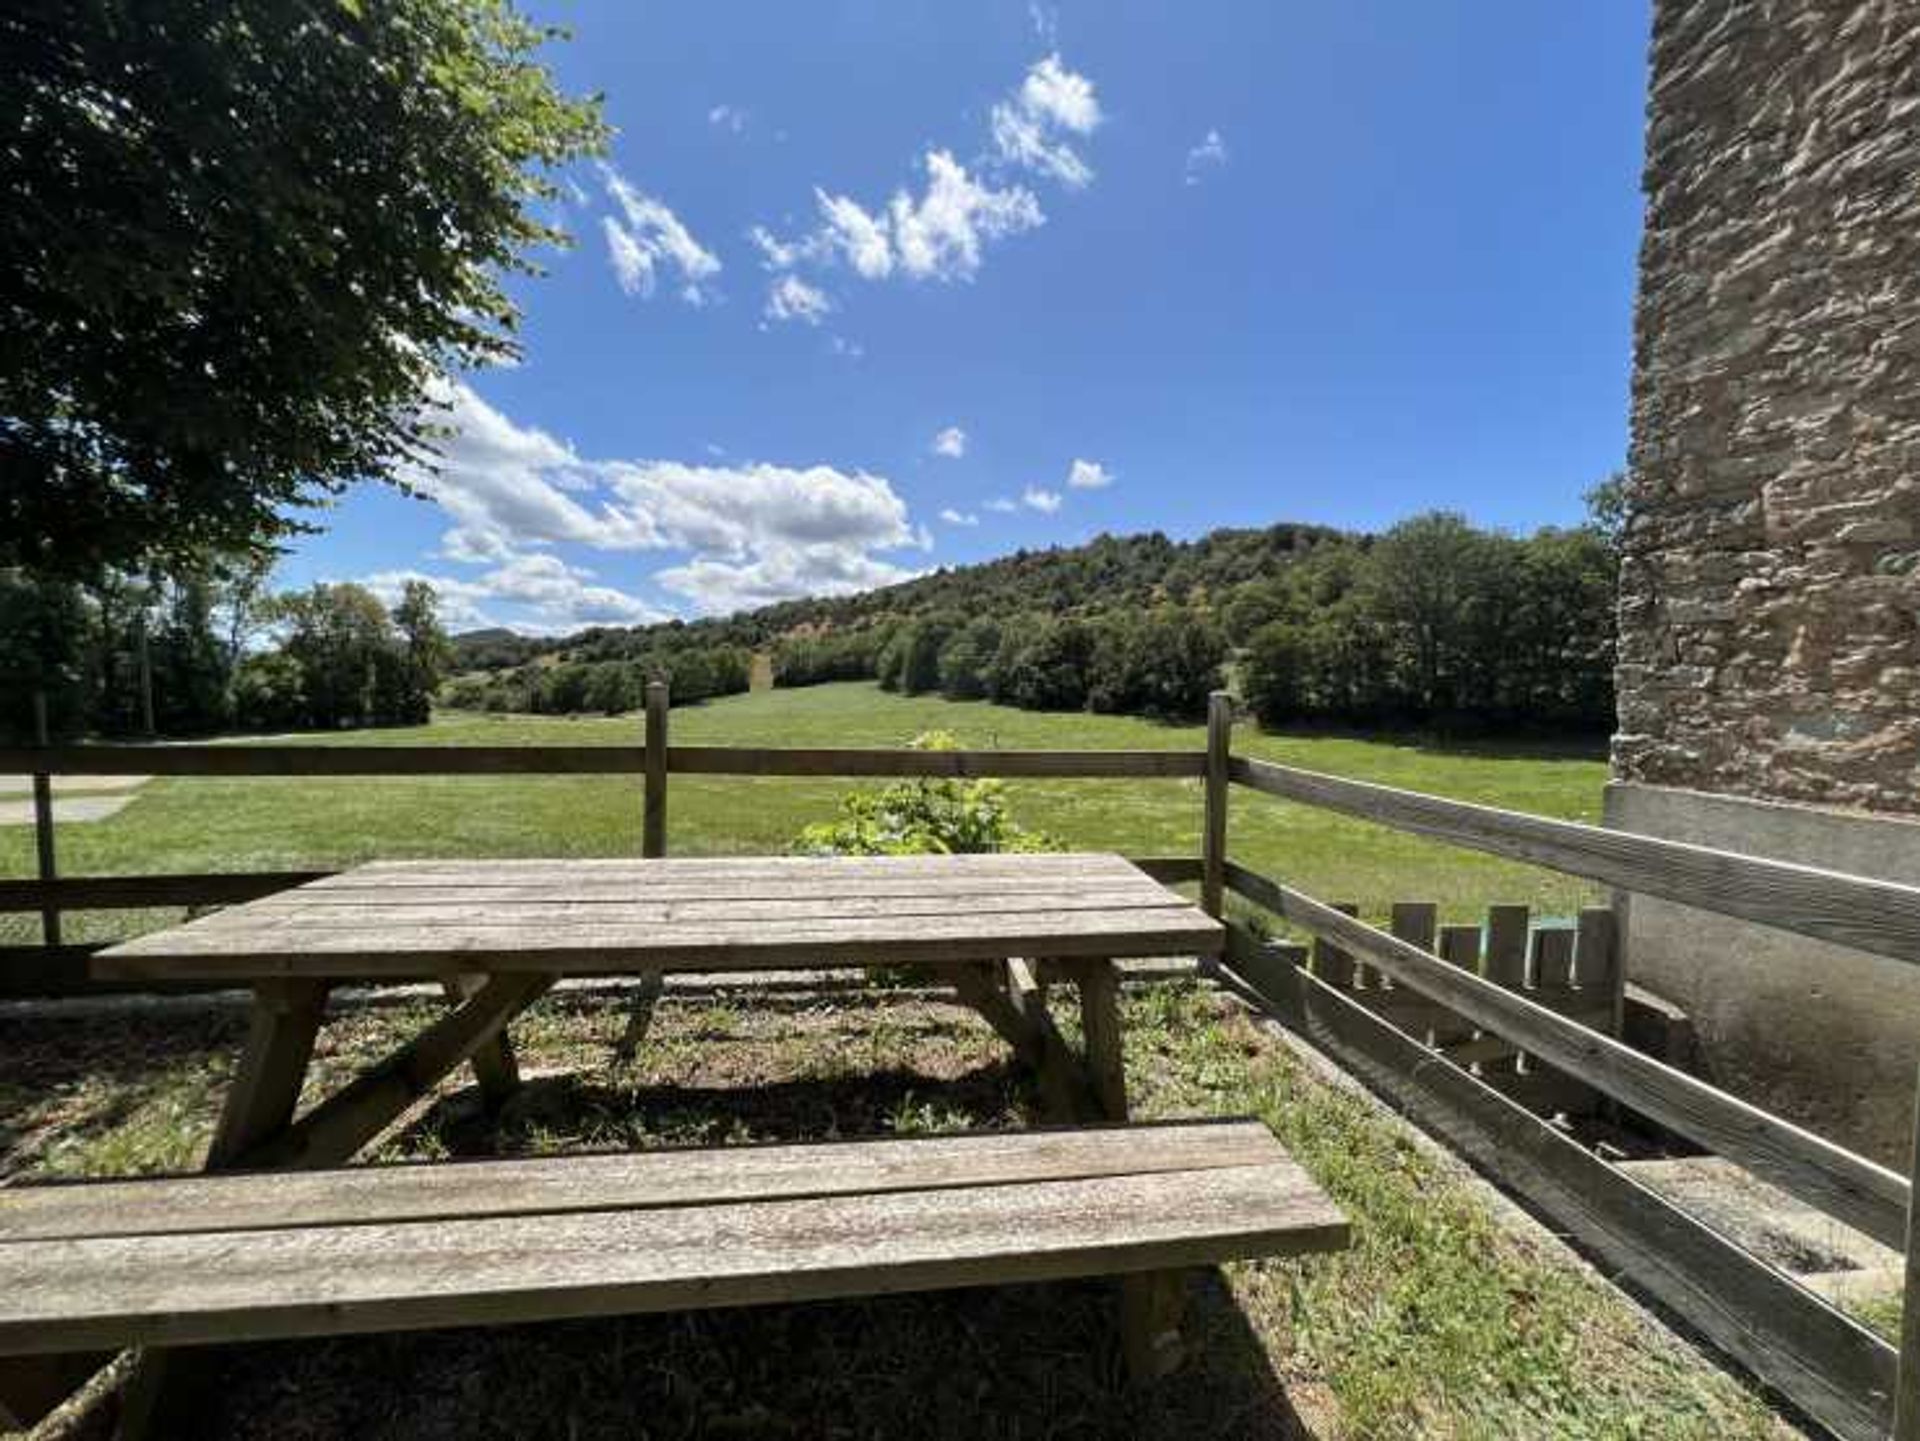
(202, 823)
(1441, 1322)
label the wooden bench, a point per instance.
(192, 1260)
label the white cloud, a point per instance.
(1033, 127)
(559, 596)
(748, 528)
(791, 298)
(951, 442)
(730, 118)
(1002, 505)
(1046, 22)
(1044, 501)
(649, 239)
(1089, 475)
(779, 573)
(1209, 154)
(862, 238)
(959, 517)
(940, 235)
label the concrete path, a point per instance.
(75, 798)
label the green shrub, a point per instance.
(922, 817)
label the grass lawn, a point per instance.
(1442, 1322)
(212, 824)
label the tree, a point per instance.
(428, 651)
(968, 658)
(343, 643)
(246, 242)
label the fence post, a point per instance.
(1213, 841)
(653, 834)
(43, 822)
(1906, 1416)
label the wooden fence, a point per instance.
(1394, 1004)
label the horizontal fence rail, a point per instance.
(1828, 1364)
(322, 760)
(1864, 1195)
(1882, 917)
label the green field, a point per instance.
(212, 824)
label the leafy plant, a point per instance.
(923, 817)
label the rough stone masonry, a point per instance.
(1769, 673)
(1770, 612)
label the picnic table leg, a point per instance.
(1150, 1303)
(259, 1106)
(495, 1067)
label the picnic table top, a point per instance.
(582, 916)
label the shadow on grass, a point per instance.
(1014, 1362)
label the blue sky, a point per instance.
(868, 288)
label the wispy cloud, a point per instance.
(730, 118)
(791, 298)
(959, 517)
(1209, 154)
(1035, 126)
(1001, 505)
(1044, 501)
(951, 442)
(647, 239)
(1089, 475)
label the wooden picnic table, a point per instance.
(999, 928)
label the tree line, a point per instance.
(1435, 622)
(607, 687)
(209, 651)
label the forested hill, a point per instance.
(1132, 570)
(1433, 621)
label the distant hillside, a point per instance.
(1432, 623)
(1109, 571)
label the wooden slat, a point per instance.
(653, 826)
(1869, 915)
(1009, 764)
(1826, 1363)
(126, 893)
(570, 870)
(616, 950)
(671, 1176)
(75, 1294)
(555, 910)
(1865, 1195)
(422, 760)
(1213, 821)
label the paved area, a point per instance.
(75, 798)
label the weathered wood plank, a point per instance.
(125, 893)
(1099, 986)
(669, 1176)
(330, 1133)
(1831, 1367)
(1060, 865)
(400, 760)
(1213, 821)
(1869, 915)
(1007, 764)
(557, 909)
(611, 948)
(260, 1099)
(1865, 1195)
(496, 1069)
(77, 1294)
(653, 829)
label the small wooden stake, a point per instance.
(653, 834)
(1213, 850)
(43, 822)
(1906, 1417)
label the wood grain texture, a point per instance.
(417, 760)
(1826, 1363)
(1906, 1420)
(261, 1096)
(670, 1176)
(72, 1294)
(1863, 1194)
(1882, 917)
(444, 918)
(126, 893)
(1218, 788)
(653, 824)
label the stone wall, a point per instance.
(1770, 613)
